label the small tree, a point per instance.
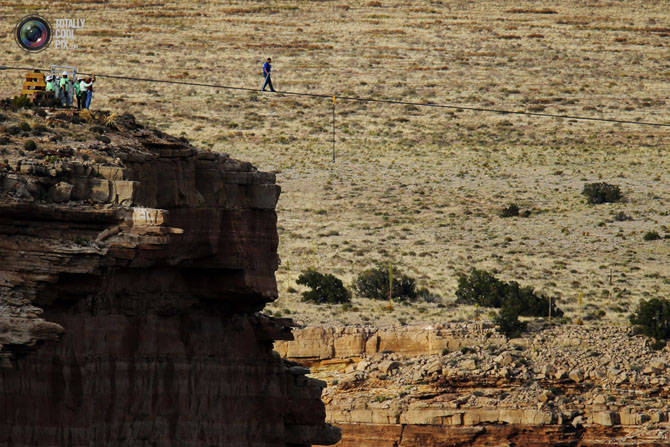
(374, 283)
(480, 287)
(508, 322)
(484, 289)
(325, 288)
(652, 318)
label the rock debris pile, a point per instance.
(585, 385)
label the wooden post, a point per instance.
(390, 283)
(288, 275)
(333, 129)
(580, 307)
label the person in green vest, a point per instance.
(66, 98)
(77, 93)
(51, 87)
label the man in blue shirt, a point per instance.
(267, 68)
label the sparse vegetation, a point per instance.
(652, 318)
(511, 211)
(651, 236)
(20, 102)
(622, 217)
(484, 289)
(325, 288)
(507, 319)
(601, 193)
(374, 283)
(421, 186)
(29, 145)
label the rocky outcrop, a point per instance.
(315, 344)
(464, 384)
(133, 269)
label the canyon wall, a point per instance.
(133, 272)
(460, 384)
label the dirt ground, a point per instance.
(418, 187)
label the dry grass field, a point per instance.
(419, 187)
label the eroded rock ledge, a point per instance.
(466, 385)
(133, 269)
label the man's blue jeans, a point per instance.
(65, 99)
(268, 82)
(88, 99)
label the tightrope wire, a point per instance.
(366, 99)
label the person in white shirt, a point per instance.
(86, 89)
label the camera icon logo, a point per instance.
(33, 33)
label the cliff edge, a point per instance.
(133, 270)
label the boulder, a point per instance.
(61, 192)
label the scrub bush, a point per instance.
(651, 236)
(652, 318)
(508, 322)
(325, 288)
(511, 211)
(484, 289)
(20, 102)
(601, 193)
(374, 283)
(30, 145)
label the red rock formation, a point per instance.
(455, 385)
(129, 293)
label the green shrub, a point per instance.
(657, 345)
(511, 211)
(651, 236)
(622, 217)
(484, 289)
(595, 315)
(374, 283)
(325, 288)
(652, 318)
(481, 288)
(39, 129)
(29, 145)
(20, 102)
(601, 192)
(508, 322)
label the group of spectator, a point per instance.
(66, 89)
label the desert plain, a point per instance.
(421, 188)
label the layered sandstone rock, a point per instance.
(464, 384)
(133, 269)
(315, 344)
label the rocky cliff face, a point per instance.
(133, 267)
(466, 385)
